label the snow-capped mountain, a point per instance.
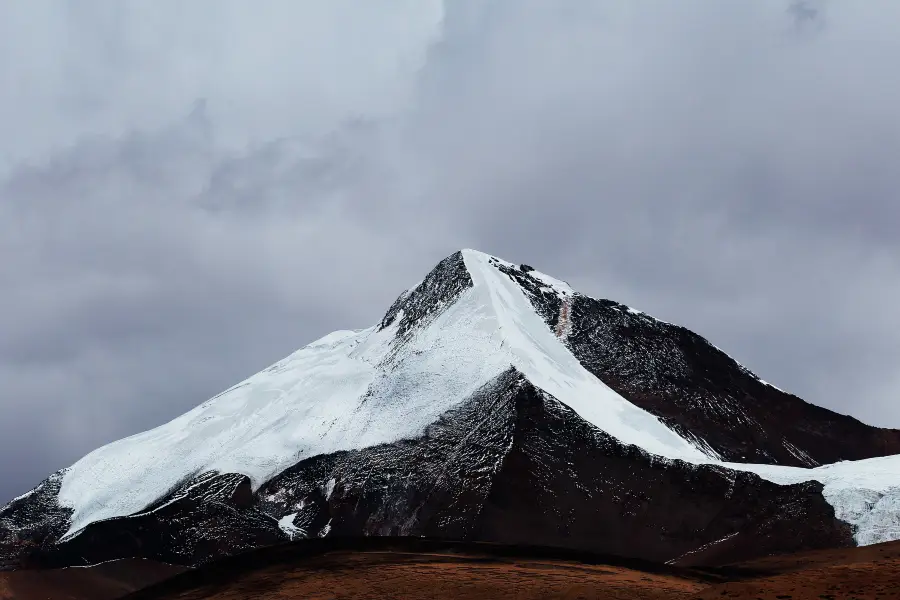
(491, 402)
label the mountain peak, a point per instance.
(663, 393)
(471, 318)
(474, 258)
(464, 269)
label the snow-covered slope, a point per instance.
(864, 493)
(463, 326)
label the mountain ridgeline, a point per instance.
(492, 402)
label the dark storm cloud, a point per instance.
(730, 167)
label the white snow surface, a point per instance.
(353, 389)
(864, 493)
(529, 344)
(286, 524)
(557, 285)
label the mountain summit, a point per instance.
(492, 402)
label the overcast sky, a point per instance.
(191, 190)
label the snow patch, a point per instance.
(703, 547)
(325, 530)
(97, 564)
(329, 488)
(557, 285)
(286, 524)
(864, 493)
(23, 496)
(799, 454)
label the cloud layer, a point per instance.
(188, 193)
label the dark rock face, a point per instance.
(703, 394)
(206, 518)
(698, 390)
(566, 483)
(32, 523)
(439, 289)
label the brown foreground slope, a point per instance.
(396, 575)
(871, 572)
(101, 582)
(417, 569)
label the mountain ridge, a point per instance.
(208, 481)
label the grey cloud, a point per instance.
(708, 164)
(723, 166)
(129, 299)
